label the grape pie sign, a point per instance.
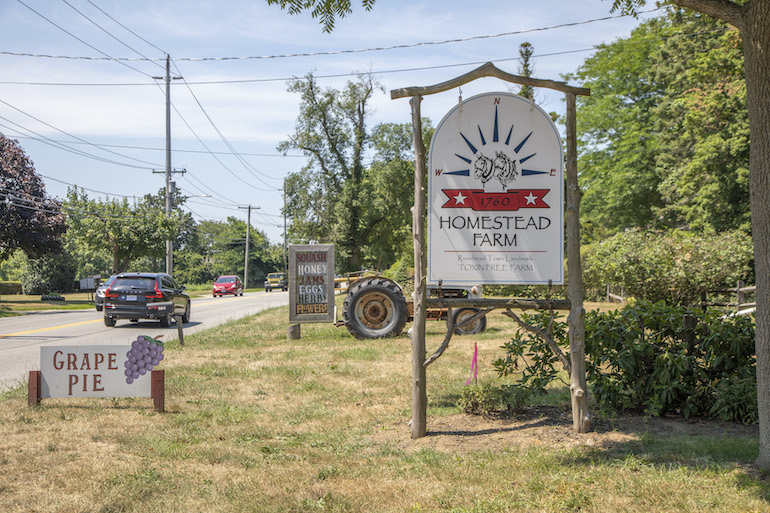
(100, 370)
(496, 194)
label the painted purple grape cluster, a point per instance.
(144, 355)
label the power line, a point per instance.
(213, 155)
(224, 139)
(349, 51)
(127, 29)
(110, 34)
(354, 73)
(176, 150)
(41, 138)
(108, 57)
(84, 188)
(67, 134)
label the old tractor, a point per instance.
(376, 307)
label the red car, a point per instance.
(227, 285)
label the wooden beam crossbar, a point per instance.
(487, 70)
(519, 304)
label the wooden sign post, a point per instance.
(581, 417)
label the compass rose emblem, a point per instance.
(501, 161)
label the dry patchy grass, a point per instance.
(259, 423)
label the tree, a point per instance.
(220, 249)
(702, 127)
(29, 218)
(186, 234)
(326, 199)
(752, 19)
(14, 267)
(664, 134)
(128, 231)
(526, 68)
(390, 187)
(326, 10)
(88, 261)
(617, 153)
(49, 274)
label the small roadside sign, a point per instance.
(100, 371)
(311, 283)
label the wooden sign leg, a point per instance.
(158, 390)
(33, 389)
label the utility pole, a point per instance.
(246, 260)
(169, 171)
(285, 250)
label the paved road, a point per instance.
(22, 336)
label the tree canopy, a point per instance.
(219, 248)
(327, 198)
(29, 218)
(129, 231)
(364, 210)
(327, 11)
(664, 134)
(752, 19)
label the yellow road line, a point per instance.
(47, 329)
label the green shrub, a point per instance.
(647, 359)
(486, 399)
(540, 366)
(735, 398)
(514, 398)
(10, 287)
(643, 359)
(479, 400)
(51, 273)
(674, 266)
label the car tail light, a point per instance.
(158, 294)
(110, 294)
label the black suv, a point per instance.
(137, 296)
(99, 295)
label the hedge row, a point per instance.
(10, 287)
(651, 358)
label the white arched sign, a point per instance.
(496, 195)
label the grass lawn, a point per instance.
(10, 303)
(258, 423)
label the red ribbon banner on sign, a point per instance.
(479, 200)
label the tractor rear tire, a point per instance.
(375, 308)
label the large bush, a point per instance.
(49, 274)
(657, 359)
(673, 266)
(650, 358)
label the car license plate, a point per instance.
(130, 298)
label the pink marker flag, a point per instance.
(474, 366)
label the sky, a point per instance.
(81, 85)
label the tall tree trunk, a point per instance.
(753, 20)
(755, 31)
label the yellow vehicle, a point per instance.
(276, 281)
